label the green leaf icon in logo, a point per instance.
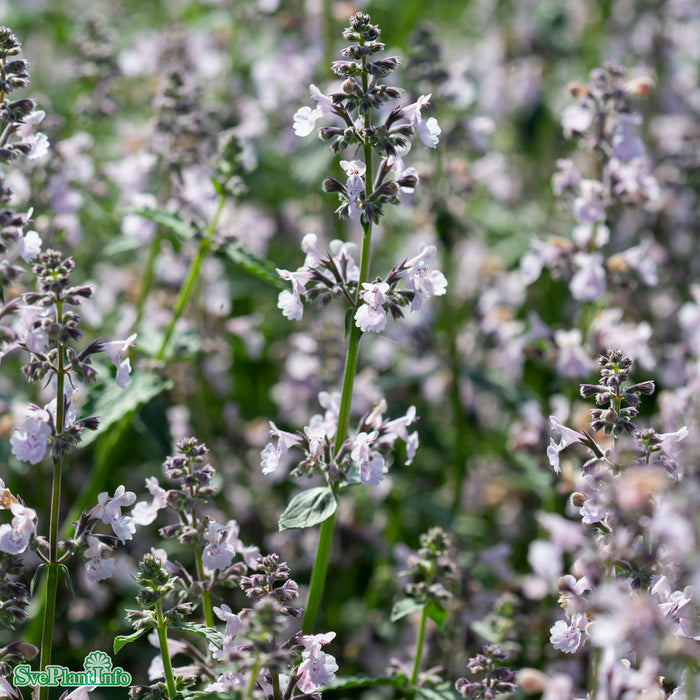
(97, 660)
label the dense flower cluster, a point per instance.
(627, 588)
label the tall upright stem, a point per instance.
(53, 565)
(192, 276)
(325, 537)
(162, 631)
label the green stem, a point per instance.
(251, 682)
(325, 537)
(53, 566)
(318, 575)
(148, 275)
(164, 653)
(206, 595)
(419, 646)
(276, 690)
(192, 277)
(593, 664)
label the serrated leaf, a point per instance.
(309, 508)
(405, 607)
(208, 633)
(167, 219)
(124, 639)
(436, 613)
(67, 579)
(253, 265)
(444, 691)
(114, 403)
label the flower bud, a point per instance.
(349, 86)
(639, 87)
(577, 499)
(531, 681)
(577, 89)
(330, 184)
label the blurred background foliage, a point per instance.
(497, 71)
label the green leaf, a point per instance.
(36, 577)
(124, 639)
(345, 682)
(67, 579)
(169, 220)
(208, 633)
(444, 691)
(123, 244)
(309, 508)
(436, 613)
(253, 265)
(405, 607)
(485, 631)
(114, 403)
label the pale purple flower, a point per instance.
(567, 636)
(624, 140)
(97, 567)
(227, 682)
(355, 185)
(401, 171)
(316, 668)
(305, 117)
(588, 282)
(290, 302)
(8, 691)
(323, 102)
(558, 687)
(39, 145)
(343, 253)
(411, 447)
(145, 513)
(313, 255)
(588, 206)
(108, 510)
(290, 305)
(29, 442)
(221, 547)
(233, 621)
(370, 319)
(545, 559)
(273, 452)
(566, 436)
(15, 537)
(422, 282)
(29, 246)
(305, 120)
(567, 177)
(428, 131)
(573, 361)
(371, 316)
(114, 350)
(575, 119)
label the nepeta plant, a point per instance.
(377, 137)
(258, 654)
(46, 327)
(626, 595)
